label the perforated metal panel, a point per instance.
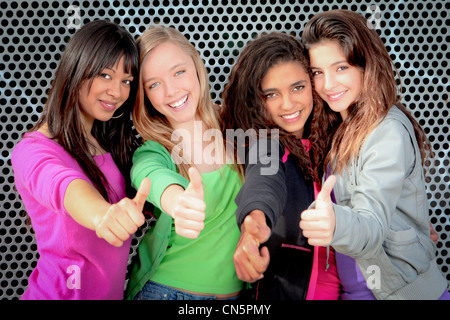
(34, 33)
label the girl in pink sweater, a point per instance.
(72, 168)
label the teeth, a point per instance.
(108, 105)
(337, 95)
(291, 116)
(179, 103)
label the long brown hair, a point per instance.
(244, 104)
(364, 49)
(96, 46)
(152, 125)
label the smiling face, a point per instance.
(108, 92)
(171, 83)
(288, 92)
(337, 82)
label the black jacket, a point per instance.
(279, 189)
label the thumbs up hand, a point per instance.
(189, 210)
(250, 261)
(123, 218)
(318, 224)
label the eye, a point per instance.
(342, 68)
(316, 73)
(127, 82)
(180, 72)
(105, 75)
(154, 85)
(299, 88)
(270, 95)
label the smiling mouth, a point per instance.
(108, 106)
(291, 116)
(178, 104)
(336, 96)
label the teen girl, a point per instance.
(72, 167)
(188, 254)
(380, 225)
(270, 88)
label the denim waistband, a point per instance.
(157, 291)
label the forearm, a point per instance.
(169, 196)
(153, 161)
(85, 204)
(263, 192)
(366, 209)
(267, 194)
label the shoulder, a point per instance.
(395, 115)
(394, 126)
(269, 145)
(31, 138)
(35, 144)
(40, 159)
(153, 154)
(150, 147)
(392, 138)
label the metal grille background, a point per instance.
(34, 33)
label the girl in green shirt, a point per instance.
(188, 254)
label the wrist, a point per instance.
(170, 198)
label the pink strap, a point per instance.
(324, 284)
(285, 156)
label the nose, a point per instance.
(288, 102)
(170, 88)
(115, 89)
(329, 81)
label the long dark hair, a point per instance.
(364, 49)
(244, 105)
(96, 46)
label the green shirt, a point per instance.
(204, 264)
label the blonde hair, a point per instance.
(149, 123)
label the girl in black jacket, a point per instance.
(269, 99)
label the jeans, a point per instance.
(157, 291)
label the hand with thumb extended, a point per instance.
(318, 224)
(124, 217)
(189, 211)
(195, 187)
(249, 260)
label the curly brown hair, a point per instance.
(244, 103)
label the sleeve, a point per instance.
(386, 159)
(153, 161)
(44, 171)
(265, 184)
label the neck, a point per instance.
(94, 147)
(205, 152)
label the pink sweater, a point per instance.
(73, 262)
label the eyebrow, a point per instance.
(129, 75)
(333, 64)
(174, 67)
(292, 85)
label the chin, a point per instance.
(105, 118)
